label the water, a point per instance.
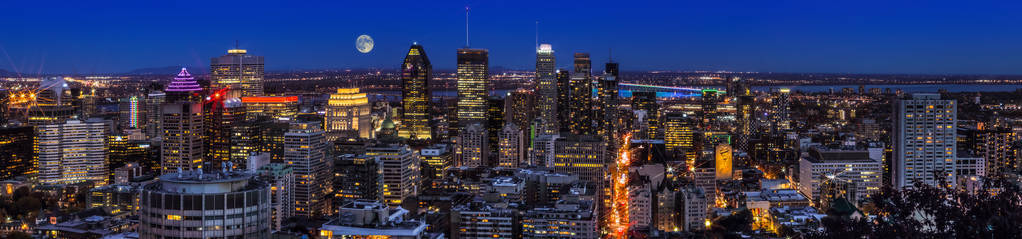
(906, 88)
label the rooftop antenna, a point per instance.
(466, 26)
(537, 35)
(610, 54)
(236, 44)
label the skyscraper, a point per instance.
(923, 140)
(399, 168)
(220, 116)
(72, 152)
(495, 119)
(473, 85)
(563, 99)
(181, 120)
(580, 107)
(305, 150)
(607, 102)
(520, 108)
(348, 115)
(546, 87)
(416, 73)
(239, 72)
(16, 145)
(679, 135)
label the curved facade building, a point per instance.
(195, 205)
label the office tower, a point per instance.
(416, 73)
(709, 111)
(693, 208)
(438, 159)
(153, 125)
(220, 116)
(563, 99)
(511, 146)
(123, 151)
(923, 140)
(191, 204)
(520, 108)
(781, 117)
(679, 135)
(357, 177)
(239, 72)
(72, 152)
(606, 106)
(473, 85)
(281, 178)
(582, 155)
(181, 124)
(646, 102)
(854, 167)
(305, 150)
(995, 147)
(495, 119)
(261, 135)
(399, 168)
(182, 145)
(479, 219)
(372, 219)
(52, 104)
(546, 88)
(348, 115)
(472, 145)
(16, 145)
(746, 118)
(580, 107)
(132, 114)
(281, 108)
(542, 152)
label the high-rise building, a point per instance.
(563, 99)
(852, 167)
(781, 117)
(520, 108)
(580, 107)
(416, 73)
(220, 116)
(607, 103)
(16, 145)
(191, 204)
(542, 151)
(479, 219)
(646, 101)
(472, 146)
(282, 108)
(709, 99)
(239, 72)
(923, 140)
(679, 135)
(693, 208)
(399, 168)
(281, 178)
(356, 177)
(72, 152)
(495, 118)
(305, 150)
(473, 85)
(566, 219)
(546, 88)
(438, 159)
(154, 116)
(348, 115)
(995, 147)
(52, 105)
(582, 155)
(745, 116)
(511, 146)
(181, 124)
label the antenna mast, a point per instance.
(537, 35)
(466, 26)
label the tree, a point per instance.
(925, 211)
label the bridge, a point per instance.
(626, 89)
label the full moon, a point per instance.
(364, 44)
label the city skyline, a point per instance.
(865, 37)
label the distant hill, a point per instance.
(166, 70)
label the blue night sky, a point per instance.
(972, 37)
